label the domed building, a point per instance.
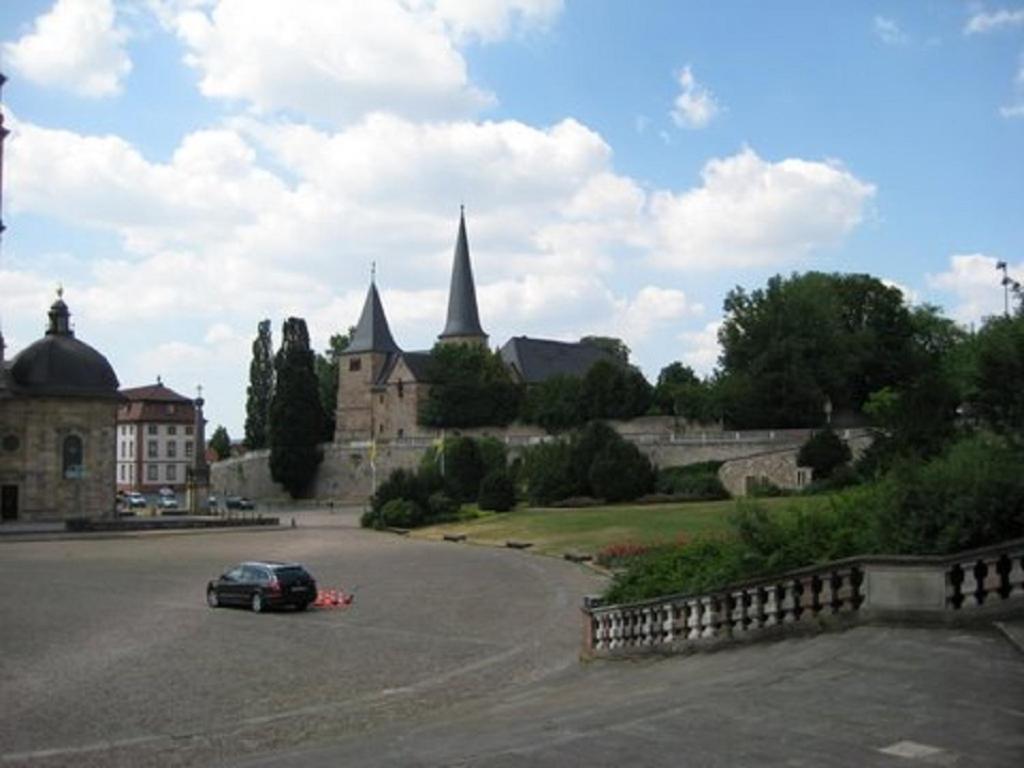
(58, 414)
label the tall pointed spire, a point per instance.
(463, 322)
(372, 333)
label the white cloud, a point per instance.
(650, 310)
(492, 20)
(702, 348)
(751, 212)
(889, 31)
(338, 60)
(695, 106)
(975, 285)
(983, 21)
(76, 45)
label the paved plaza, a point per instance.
(452, 655)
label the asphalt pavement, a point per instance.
(452, 654)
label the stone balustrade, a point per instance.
(984, 584)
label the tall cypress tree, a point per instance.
(260, 390)
(296, 417)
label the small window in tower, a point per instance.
(382, 399)
(355, 363)
(401, 388)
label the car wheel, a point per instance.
(211, 598)
(257, 602)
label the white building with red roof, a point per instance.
(156, 439)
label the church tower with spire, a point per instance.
(362, 368)
(463, 323)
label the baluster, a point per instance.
(602, 634)
(695, 619)
(755, 610)
(842, 592)
(739, 613)
(771, 606)
(1016, 575)
(668, 623)
(992, 583)
(790, 605)
(974, 584)
(809, 586)
(709, 617)
(618, 629)
(647, 627)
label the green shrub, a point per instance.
(497, 493)
(621, 472)
(547, 472)
(824, 452)
(493, 454)
(442, 508)
(694, 482)
(700, 565)
(463, 468)
(401, 513)
(971, 496)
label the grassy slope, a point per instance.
(554, 531)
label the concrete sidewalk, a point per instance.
(872, 696)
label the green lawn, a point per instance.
(587, 530)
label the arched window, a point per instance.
(72, 456)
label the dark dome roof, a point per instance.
(61, 365)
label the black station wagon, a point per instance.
(262, 585)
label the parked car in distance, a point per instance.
(135, 500)
(238, 502)
(262, 585)
(168, 502)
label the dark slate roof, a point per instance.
(372, 333)
(536, 360)
(61, 365)
(463, 317)
(417, 363)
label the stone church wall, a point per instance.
(36, 467)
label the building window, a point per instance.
(188, 449)
(11, 443)
(188, 430)
(151, 475)
(803, 477)
(124, 449)
(170, 409)
(151, 429)
(172, 473)
(72, 456)
(172, 450)
(171, 429)
(123, 468)
(401, 432)
(401, 388)
(381, 399)
(355, 363)
(151, 450)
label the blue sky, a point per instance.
(187, 167)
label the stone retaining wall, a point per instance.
(345, 473)
(977, 585)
